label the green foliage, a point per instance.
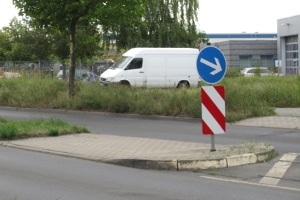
(5, 45)
(36, 128)
(26, 44)
(8, 131)
(41, 34)
(245, 97)
(24, 92)
(164, 24)
(66, 16)
(233, 72)
(53, 132)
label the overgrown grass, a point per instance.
(245, 97)
(10, 129)
(257, 96)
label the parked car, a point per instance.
(256, 71)
(100, 66)
(80, 74)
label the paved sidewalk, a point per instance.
(162, 154)
(285, 118)
(147, 153)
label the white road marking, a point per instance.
(250, 183)
(279, 169)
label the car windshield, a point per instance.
(255, 70)
(121, 63)
(244, 70)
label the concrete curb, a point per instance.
(180, 165)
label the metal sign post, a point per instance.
(211, 66)
(213, 146)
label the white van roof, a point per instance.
(153, 51)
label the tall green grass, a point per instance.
(10, 129)
(245, 97)
(256, 96)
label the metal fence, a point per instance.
(26, 65)
(39, 67)
(45, 67)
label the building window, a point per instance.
(267, 61)
(291, 55)
(245, 61)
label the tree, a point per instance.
(66, 15)
(27, 43)
(87, 39)
(5, 46)
(166, 23)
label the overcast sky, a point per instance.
(218, 16)
(7, 12)
(250, 16)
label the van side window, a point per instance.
(136, 63)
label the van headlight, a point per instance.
(109, 79)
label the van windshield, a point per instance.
(121, 63)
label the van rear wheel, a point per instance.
(183, 84)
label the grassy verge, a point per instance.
(245, 97)
(36, 128)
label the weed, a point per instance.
(8, 131)
(53, 132)
(212, 173)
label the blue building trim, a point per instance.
(242, 35)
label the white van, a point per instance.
(154, 67)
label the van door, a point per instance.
(134, 72)
(155, 74)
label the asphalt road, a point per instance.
(26, 175)
(31, 175)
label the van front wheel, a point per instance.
(183, 84)
(125, 83)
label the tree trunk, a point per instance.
(72, 60)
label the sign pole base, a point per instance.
(213, 148)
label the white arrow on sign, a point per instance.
(217, 67)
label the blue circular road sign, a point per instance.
(211, 65)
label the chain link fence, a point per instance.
(30, 68)
(43, 68)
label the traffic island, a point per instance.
(223, 157)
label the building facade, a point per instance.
(242, 53)
(220, 37)
(288, 31)
(246, 50)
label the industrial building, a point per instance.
(288, 32)
(279, 51)
(246, 50)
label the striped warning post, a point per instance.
(213, 110)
